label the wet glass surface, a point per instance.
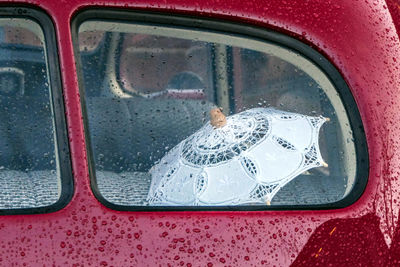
(149, 88)
(28, 165)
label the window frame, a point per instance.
(250, 31)
(56, 100)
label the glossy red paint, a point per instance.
(359, 38)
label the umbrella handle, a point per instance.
(217, 118)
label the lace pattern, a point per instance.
(246, 161)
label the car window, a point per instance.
(188, 117)
(29, 164)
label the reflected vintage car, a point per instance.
(109, 157)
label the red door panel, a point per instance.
(359, 38)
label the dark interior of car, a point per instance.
(131, 134)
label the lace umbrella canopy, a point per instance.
(242, 159)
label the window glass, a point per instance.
(181, 117)
(28, 164)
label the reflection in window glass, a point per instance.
(28, 165)
(278, 134)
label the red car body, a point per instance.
(358, 37)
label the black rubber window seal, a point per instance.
(57, 102)
(223, 27)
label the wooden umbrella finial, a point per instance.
(218, 119)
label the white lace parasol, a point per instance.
(245, 158)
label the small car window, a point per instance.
(189, 117)
(29, 167)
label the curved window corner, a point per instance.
(35, 171)
(220, 117)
